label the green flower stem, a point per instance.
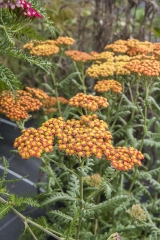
(48, 167)
(81, 202)
(119, 105)
(144, 132)
(81, 76)
(27, 221)
(135, 100)
(101, 188)
(56, 93)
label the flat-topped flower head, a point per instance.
(89, 102)
(45, 50)
(102, 56)
(79, 56)
(64, 41)
(38, 93)
(106, 85)
(108, 68)
(17, 105)
(135, 47)
(124, 159)
(34, 142)
(42, 48)
(117, 47)
(144, 67)
(85, 137)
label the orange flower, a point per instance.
(17, 105)
(124, 159)
(89, 102)
(102, 55)
(37, 93)
(145, 67)
(42, 48)
(85, 137)
(64, 41)
(79, 56)
(34, 142)
(106, 85)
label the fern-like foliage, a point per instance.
(7, 79)
(4, 210)
(57, 197)
(109, 205)
(73, 186)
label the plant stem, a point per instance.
(144, 132)
(56, 93)
(26, 221)
(81, 203)
(81, 76)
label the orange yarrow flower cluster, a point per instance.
(124, 159)
(17, 105)
(106, 85)
(64, 41)
(34, 142)
(42, 48)
(79, 56)
(117, 47)
(38, 93)
(108, 68)
(85, 137)
(102, 56)
(145, 67)
(89, 102)
(131, 47)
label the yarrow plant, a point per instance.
(96, 151)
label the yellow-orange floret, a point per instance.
(108, 69)
(79, 56)
(45, 50)
(145, 67)
(106, 85)
(118, 46)
(85, 137)
(64, 41)
(42, 48)
(38, 93)
(124, 159)
(136, 47)
(33, 142)
(17, 105)
(90, 102)
(102, 56)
